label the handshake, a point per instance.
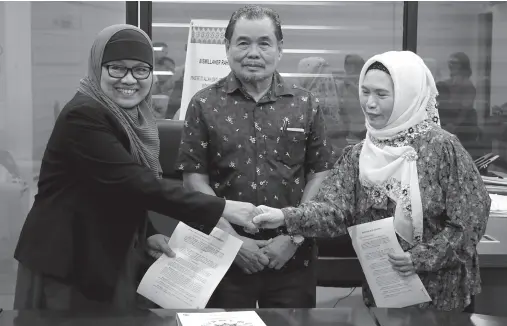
(253, 217)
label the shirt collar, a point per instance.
(279, 87)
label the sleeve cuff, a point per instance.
(214, 215)
(415, 255)
(292, 220)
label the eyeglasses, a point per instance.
(139, 73)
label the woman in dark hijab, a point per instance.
(87, 234)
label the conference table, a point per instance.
(271, 317)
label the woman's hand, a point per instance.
(240, 213)
(268, 217)
(402, 263)
(158, 245)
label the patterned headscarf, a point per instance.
(387, 162)
(138, 122)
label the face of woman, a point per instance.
(454, 66)
(129, 90)
(377, 98)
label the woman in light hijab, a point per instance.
(319, 80)
(87, 235)
(408, 168)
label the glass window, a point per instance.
(331, 31)
(464, 43)
(44, 48)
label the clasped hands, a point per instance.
(255, 255)
(251, 217)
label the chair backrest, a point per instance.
(170, 138)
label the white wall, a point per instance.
(499, 55)
(358, 27)
(3, 134)
(62, 35)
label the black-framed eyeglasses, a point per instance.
(139, 72)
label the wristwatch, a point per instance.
(297, 239)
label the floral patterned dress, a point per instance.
(455, 213)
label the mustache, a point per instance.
(252, 64)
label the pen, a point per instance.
(284, 126)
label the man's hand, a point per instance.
(402, 263)
(240, 213)
(157, 245)
(250, 258)
(268, 217)
(279, 251)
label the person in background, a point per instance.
(447, 115)
(409, 168)
(163, 86)
(253, 137)
(175, 101)
(84, 241)
(161, 50)
(164, 82)
(461, 100)
(348, 94)
(319, 81)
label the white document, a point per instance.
(188, 280)
(231, 318)
(372, 242)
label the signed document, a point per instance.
(230, 318)
(372, 242)
(188, 280)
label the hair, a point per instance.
(443, 91)
(254, 12)
(357, 59)
(166, 59)
(160, 44)
(464, 62)
(378, 66)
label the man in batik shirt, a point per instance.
(252, 137)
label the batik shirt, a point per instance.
(257, 152)
(455, 213)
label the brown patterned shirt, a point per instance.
(239, 143)
(455, 208)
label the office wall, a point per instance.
(44, 53)
(62, 34)
(478, 30)
(499, 54)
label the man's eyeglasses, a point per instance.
(139, 73)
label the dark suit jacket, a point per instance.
(93, 197)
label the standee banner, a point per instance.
(206, 59)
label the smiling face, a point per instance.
(377, 98)
(253, 51)
(127, 92)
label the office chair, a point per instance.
(170, 136)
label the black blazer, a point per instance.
(93, 197)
